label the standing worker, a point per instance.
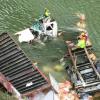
(46, 13)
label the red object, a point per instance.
(5, 83)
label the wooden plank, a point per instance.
(74, 63)
(92, 63)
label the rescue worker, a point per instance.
(83, 35)
(82, 39)
(81, 43)
(46, 13)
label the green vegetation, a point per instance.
(6, 96)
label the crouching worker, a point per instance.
(81, 44)
(84, 35)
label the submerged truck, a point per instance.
(41, 29)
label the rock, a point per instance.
(47, 69)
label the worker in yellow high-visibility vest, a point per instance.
(81, 43)
(46, 13)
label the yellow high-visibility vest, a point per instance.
(47, 13)
(81, 43)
